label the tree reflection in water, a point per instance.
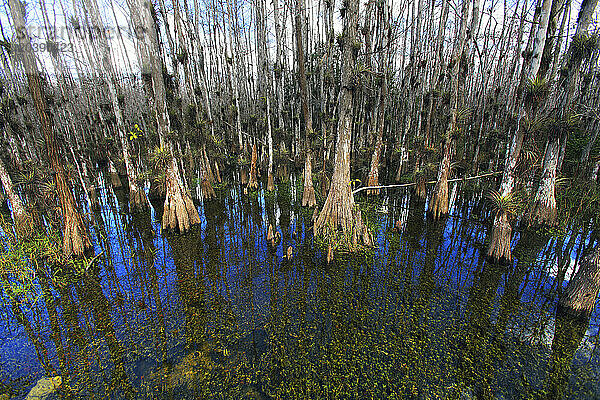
(219, 313)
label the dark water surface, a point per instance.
(218, 313)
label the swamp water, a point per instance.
(218, 313)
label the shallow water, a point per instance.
(218, 313)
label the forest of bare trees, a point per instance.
(173, 99)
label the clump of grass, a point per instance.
(536, 91)
(511, 203)
(160, 157)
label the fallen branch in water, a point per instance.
(430, 182)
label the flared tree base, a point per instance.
(115, 180)
(76, 241)
(244, 176)
(158, 190)
(138, 202)
(438, 206)
(341, 222)
(499, 251)
(252, 184)
(94, 201)
(308, 196)
(373, 181)
(25, 225)
(179, 212)
(421, 190)
(253, 180)
(208, 192)
(579, 298)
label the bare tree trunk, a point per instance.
(264, 80)
(544, 210)
(579, 298)
(439, 53)
(438, 206)
(339, 210)
(179, 210)
(137, 196)
(76, 240)
(279, 62)
(499, 249)
(373, 179)
(24, 223)
(308, 194)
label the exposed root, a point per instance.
(179, 210)
(308, 195)
(499, 251)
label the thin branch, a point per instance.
(430, 182)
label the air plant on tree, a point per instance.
(505, 207)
